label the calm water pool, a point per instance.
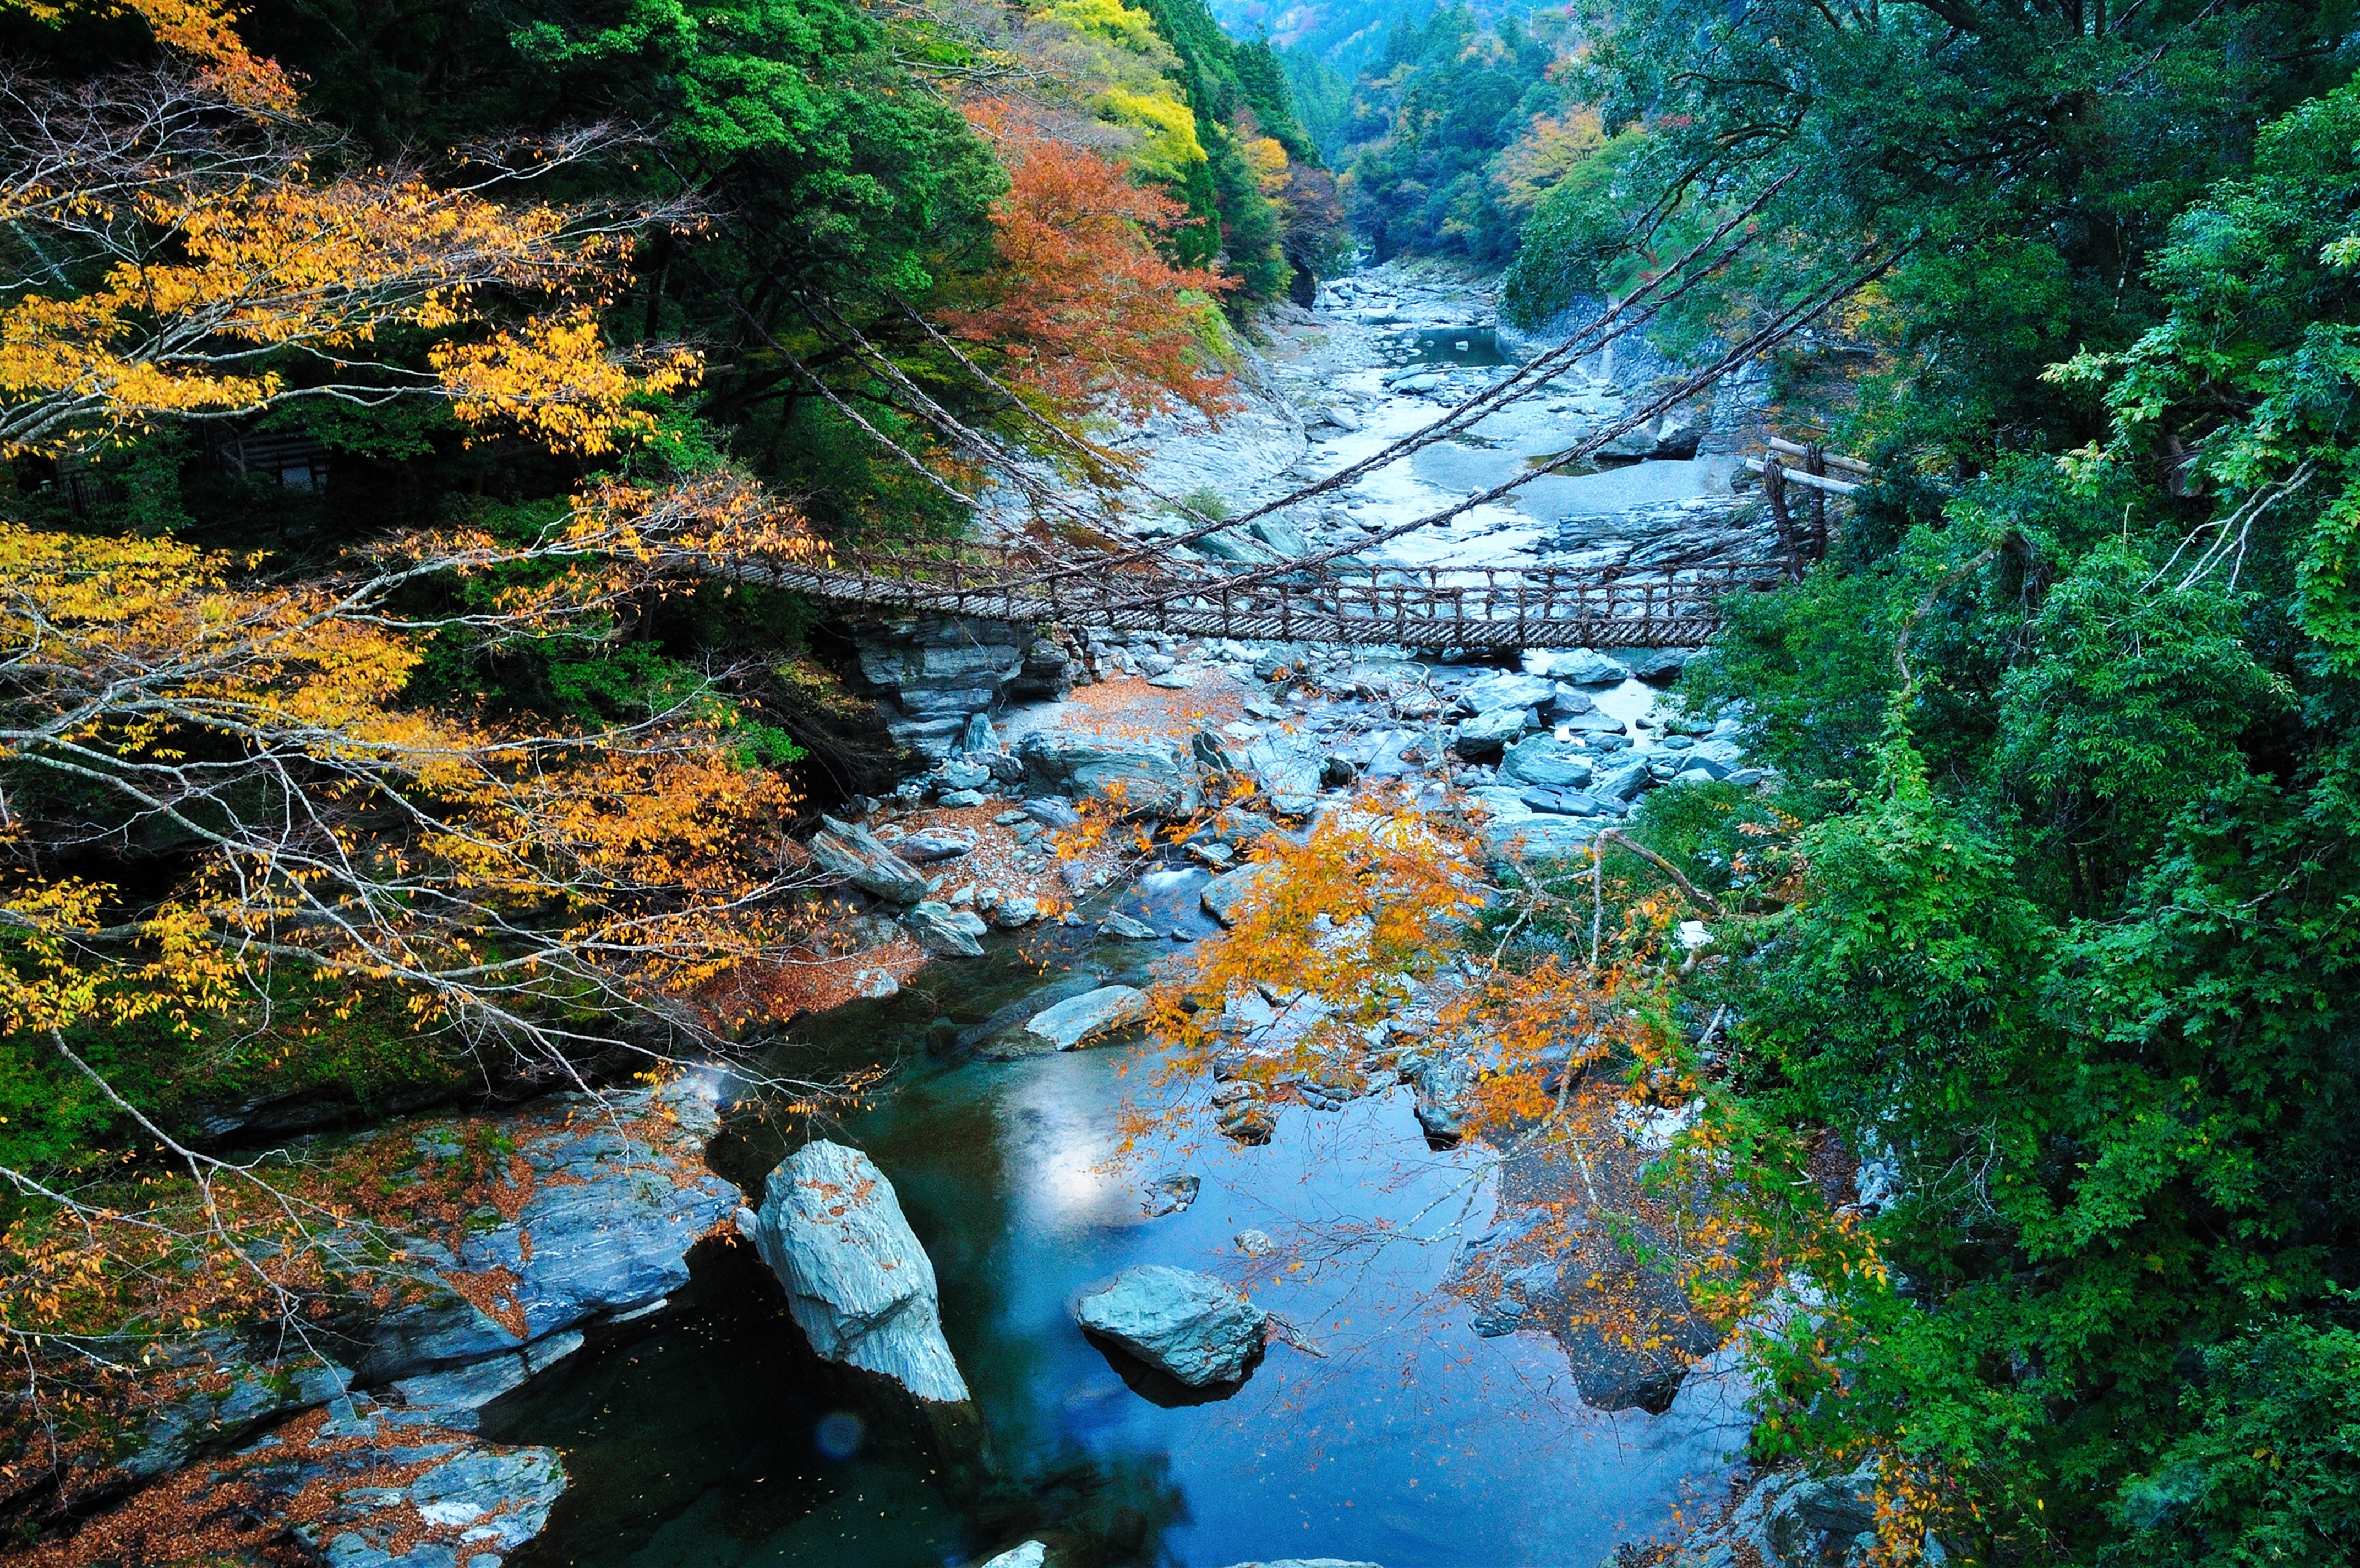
(715, 1438)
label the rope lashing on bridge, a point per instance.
(1312, 597)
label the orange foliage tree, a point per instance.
(1083, 311)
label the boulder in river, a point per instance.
(1224, 893)
(867, 862)
(1546, 760)
(1507, 689)
(946, 932)
(1151, 778)
(1032, 1554)
(1486, 734)
(1290, 769)
(1077, 1020)
(1588, 667)
(858, 1283)
(1188, 1325)
(1659, 666)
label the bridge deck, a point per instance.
(1433, 607)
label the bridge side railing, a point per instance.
(1430, 606)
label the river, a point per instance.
(715, 1438)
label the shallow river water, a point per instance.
(716, 1439)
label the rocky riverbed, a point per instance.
(933, 1358)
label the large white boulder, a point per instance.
(858, 1283)
(1077, 1020)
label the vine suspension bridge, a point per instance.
(1331, 596)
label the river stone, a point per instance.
(1542, 835)
(1032, 1554)
(1015, 914)
(863, 859)
(1154, 778)
(1057, 815)
(1224, 893)
(1508, 689)
(1124, 928)
(1290, 769)
(1170, 1196)
(1486, 733)
(1308, 1563)
(1562, 804)
(619, 1194)
(930, 844)
(1570, 702)
(1625, 781)
(1188, 1325)
(1659, 666)
(1544, 759)
(858, 1283)
(1588, 667)
(1076, 1021)
(946, 932)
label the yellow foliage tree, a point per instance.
(1108, 58)
(190, 266)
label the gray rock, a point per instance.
(1588, 667)
(1544, 759)
(935, 672)
(964, 773)
(1543, 835)
(482, 1499)
(1077, 1020)
(1188, 1325)
(1223, 894)
(862, 859)
(1124, 928)
(1622, 781)
(858, 1283)
(1015, 914)
(979, 736)
(1032, 1554)
(1568, 803)
(1289, 767)
(1487, 734)
(1171, 1195)
(1570, 702)
(1659, 666)
(1307, 1563)
(1508, 689)
(959, 800)
(944, 931)
(931, 844)
(1153, 779)
(619, 1194)
(1053, 813)
(1255, 1243)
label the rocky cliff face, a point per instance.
(934, 674)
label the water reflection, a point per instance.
(1413, 1444)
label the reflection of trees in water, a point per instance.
(719, 1437)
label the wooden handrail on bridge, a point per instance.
(1800, 549)
(1670, 605)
